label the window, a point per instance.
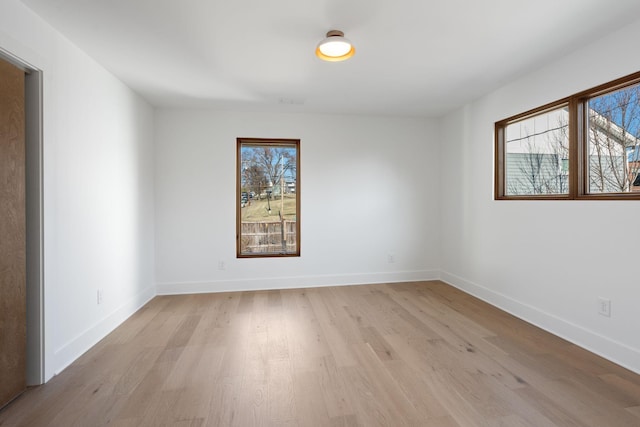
(586, 146)
(537, 152)
(268, 197)
(613, 124)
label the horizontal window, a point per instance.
(584, 146)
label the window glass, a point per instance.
(536, 154)
(613, 146)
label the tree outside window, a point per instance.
(268, 199)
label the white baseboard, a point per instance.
(294, 282)
(614, 351)
(69, 352)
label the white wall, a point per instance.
(369, 186)
(98, 189)
(545, 261)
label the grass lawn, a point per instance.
(256, 210)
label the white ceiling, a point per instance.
(413, 57)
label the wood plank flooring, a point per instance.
(415, 354)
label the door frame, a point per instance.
(34, 218)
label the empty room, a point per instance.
(333, 213)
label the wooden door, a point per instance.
(13, 305)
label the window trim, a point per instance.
(275, 142)
(578, 146)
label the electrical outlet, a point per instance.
(391, 258)
(221, 265)
(604, 307)
(100, 296)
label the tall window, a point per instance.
(268, 197)
(584, 146)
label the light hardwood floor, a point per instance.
(419, 354)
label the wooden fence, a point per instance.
(266, 237)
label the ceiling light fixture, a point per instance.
(335, 47)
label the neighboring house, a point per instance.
(290, 187)
(537, 155)
(633, 158)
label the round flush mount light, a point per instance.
(335, 47)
